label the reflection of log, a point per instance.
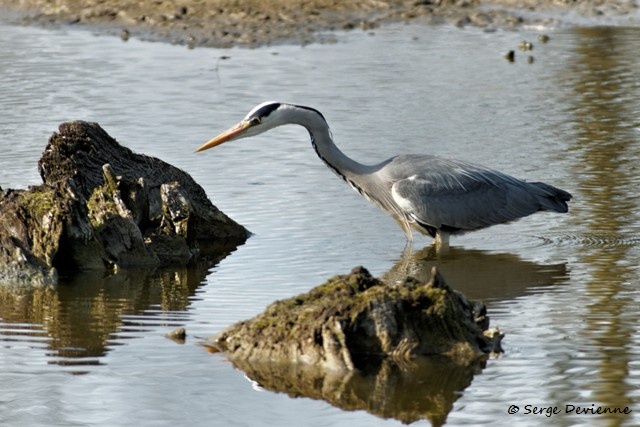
(83, 317)
(103, 206)
(342, 323)
(425, 388)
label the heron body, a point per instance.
(435, 196)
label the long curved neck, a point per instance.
(362, 178)
(323, 144)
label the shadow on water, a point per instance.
(84, 316)
(604, 107)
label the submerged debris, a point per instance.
(525, 45)
(178, 335)
(510, 56)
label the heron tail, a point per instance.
(552, 198)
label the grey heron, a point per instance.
(435, 196)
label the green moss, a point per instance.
(101, 207)
(39, 201)
(42, 211)
(345, 297)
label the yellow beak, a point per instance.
(225, 136)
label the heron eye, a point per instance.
(255, 121)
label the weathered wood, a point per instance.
(101, 206)
(344, 323)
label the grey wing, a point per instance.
(459, 196)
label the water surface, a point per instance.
(562, 287)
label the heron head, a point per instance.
(262, 118)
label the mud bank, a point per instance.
(226, 23)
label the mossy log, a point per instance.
(101, 206)
(344, 323)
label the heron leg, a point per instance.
(441, 241)
(407, 252)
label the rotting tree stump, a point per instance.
(349, 321)
(102, 206)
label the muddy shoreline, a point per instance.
(251, 23)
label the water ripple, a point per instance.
(570, 119)
(597, 240)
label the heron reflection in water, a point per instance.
(435, 196)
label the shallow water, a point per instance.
(562, 287)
